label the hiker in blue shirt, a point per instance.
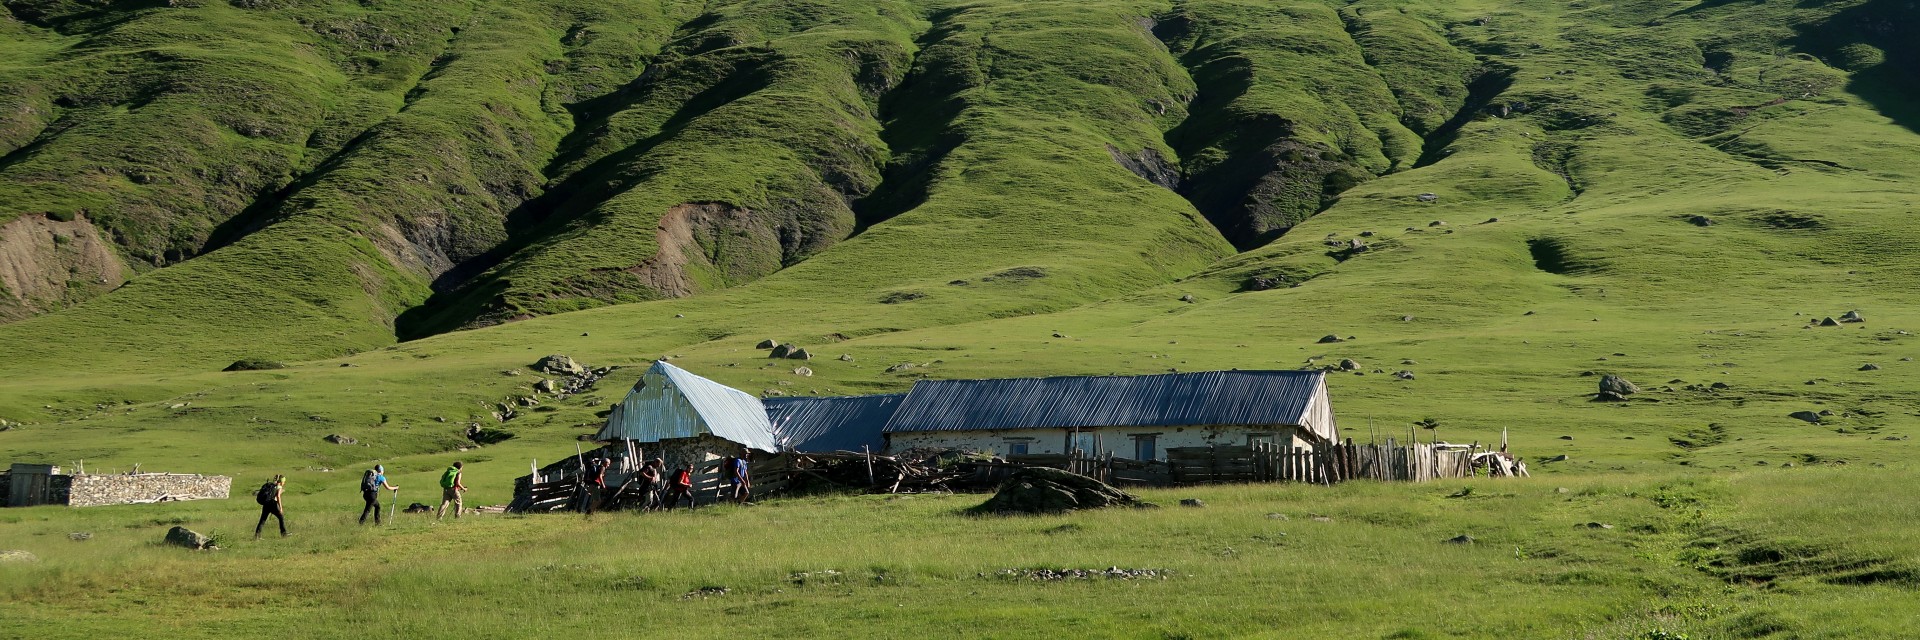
(371, 483)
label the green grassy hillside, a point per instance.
(1676, 192)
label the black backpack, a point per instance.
(265, 495)
(367, 484)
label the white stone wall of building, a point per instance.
(1118, 440)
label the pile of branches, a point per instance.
(910, 472)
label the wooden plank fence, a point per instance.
(1323, 463)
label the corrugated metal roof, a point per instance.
(1171, 399)
(831, 424)
(669, 402)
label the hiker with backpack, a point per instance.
(450, 490)
(682, 485)
(653, 481)
(371, 483)
(269, 498)
(596, 475)
(742, 482)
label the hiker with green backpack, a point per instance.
(371, 483)
(450, 490)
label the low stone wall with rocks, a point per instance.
(96, 490)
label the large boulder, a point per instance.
(559, 365)
(1043, 490)
(1617, 385)
(184, 537)
(16, 555)
(783, 351)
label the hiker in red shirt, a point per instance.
(682, 486)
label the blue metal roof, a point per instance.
(831, 424)
(1172, 399)
(670, 402)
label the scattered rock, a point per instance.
(1720, 385)
(846, 358)
(1527, 313)
(1617, 385)
(1043, 490)
(340, 439)
(1349, 364)
(767, 344)
(1826, 412)
(900, 367)
(782, 350)
(1852, 316)
(8, 556)
(1562, 490)
(1427, 197)
(1406, 318)
(559, 365)
(1187, 298)
(1330, 339)
(1403, 374)
(1057, 334)
(184, 537)
(1869, 367)
(1559, 458)
(703, 593)
(1409, 361)
(1437, 223)
(800, 354)
(546, 385)
(1608, 396)
(1460, 539)
(418, 508)
(1700, 221)
(1319, 518)
(1278, 516)
(1829, 322)
(1808, 416)
(79, 536)
(1052, 575)
(1192, 502)
(803, 372)
(1262, 283)
(1491, 221)
(1566, 437)
(1366, 234)
(1595, 525)
(253, 365)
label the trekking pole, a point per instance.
(395, 506)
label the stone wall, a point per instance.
(96, 490)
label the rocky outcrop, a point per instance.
(48, 264)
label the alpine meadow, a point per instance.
(251, 238)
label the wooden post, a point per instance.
(867, 450)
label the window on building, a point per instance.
(1084, 442)
(1259, 438)
(1144, 447)
(1017, 448)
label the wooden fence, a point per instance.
(1325, 463)
(559, 486)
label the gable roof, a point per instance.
(1172, 399)
(670, 402)
(831, 424)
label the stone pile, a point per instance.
(1042, 490)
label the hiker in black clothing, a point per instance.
(269, 499)
(596, 481)
(653, 479)
(370, 485)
